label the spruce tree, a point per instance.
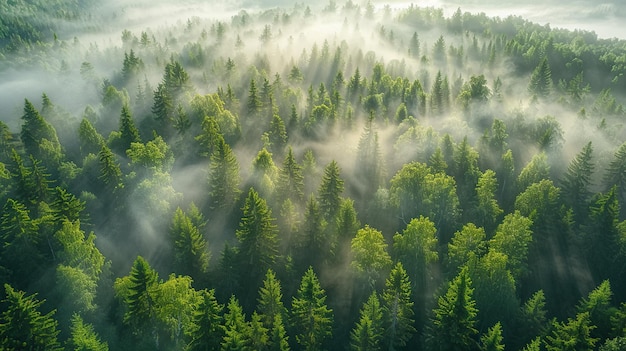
(223, 177)
(191, 255)
(205, 331)
(367, 334)
(311, 318)
(398, 315)
(290, 183)
(576, 184)
(541, 79)
(23, 326)
(454, 320)
(329, 193)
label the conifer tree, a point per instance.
(398, 315)
(223, 177)
(110, 172)
(492, 339)
(541, 79)
(311, 318)
(277, 135)
(143, 287)
(205, 331)
(84, 337)
(573, 335)
(236, 330)
(290, 180)
(577, 182)
(257, 236)
(23, 326)
(254, 102)
(191, 255)
(128, 130)
(90, 140)
(367, 334)
(35, 129)
(454, 320)
(210, 136)
(330, 191)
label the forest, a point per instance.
(349, 175)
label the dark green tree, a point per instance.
(23, 326)
(254, 103)
(35, 129)
(236, 329)
(90, 140)
(398, 315)
(576, 183)
(290, 180)
(191, 255)
(330, 191)
(311, 318)
(258, 243)
(270, 303)
(541, 80)
(140, 299)
(223, 177)
(128, 130)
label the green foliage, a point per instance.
(24, 326)
(369, 254)
(397, 308)
(223, 177)
(575, 334)
(330, 191)
(454, 320)
(541, 80)
(512, 238)
(467, 243)
(492, 339)
(191, 255)
(311, 318)
(84, 337)
(368, 331)
(205, 329)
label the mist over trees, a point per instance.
(351, 175)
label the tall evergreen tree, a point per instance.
(205, 331)
(128, 130)
(223, 177)
(142, 288)
(191, 255)
(541, 79)
(573, 335)
(23, 326)
(254, 102)
(290, 180)
(311, 318)
(454, 319)
(330, 191)
(576, 183)
(258, 243)
(398, 315)
(236, 329)
(271, 300)
(84, 337)
(35, 129)
(367, 334)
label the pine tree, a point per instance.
(236, 330)
(329, 193)
(541, 79)
(258, 243)
(577, 182)
(110, 172)
(367, 334)
(23, 326)
(191, 255)
(84, 337)
(254, 102)
(205, 331)
(223, 177)
(290, 183)
(35, 129)
(314, 245)
(573, 335)
(128, 130)
(142, 290)
(270, 300)
(492, 339)
(311, 318)
(398, 315)
(454, 320)
(277, 135)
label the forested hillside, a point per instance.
(352, 176)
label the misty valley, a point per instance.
(344, 175)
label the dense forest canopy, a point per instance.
(276, 176)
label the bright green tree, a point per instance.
(205, 330)
(236, 329)
(311, 318)
(466, 243)
(84, 337)
(512, 238)
(541, 80)
(454, 321)
(492, 339)
(369, 254)
(290, 183)
(367, 334)
(23, 326)
(573, 335)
